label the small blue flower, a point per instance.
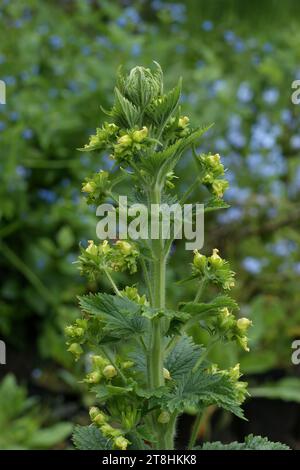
(295, 142)
(55, 42)
(253, 265)
(271, 95)
(2, 126)
(9, 80)
(229, 36)
(244, 93)
(47, 195)
(2, 58)
(207, 25)
(136, 50)
(27, 134)
(14, 116)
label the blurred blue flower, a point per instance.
(220, 144)
(238, 194)
(239, 45)
(283, 247)
(2, 126)
(207, 25)
(268, 47)
(9, 80)
(22, 171)
(136, 50)
(286, 116)
(47, 195)
(231, 215)
(253, 265)
(14, 116)
(121, 21)
(133, 15)
(180, 48)
(85, 50)
(244, 92)
(236, 138)
(296, 268)
(229, 36)
(27, 134)
(56, 42)
(271, 95)
(295, 141)
(2, 58)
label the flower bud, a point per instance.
(94, 411)
(121, 443)
(93, 377)
(219, 187)
(139, 136)
(199, 260)
(215, 259)
(108, 431)
(87, 188)
(208, 178)
(166, 374)
(125, 140)
(214, 160)
(109, 372)
(243, 324)
(76, 350)
(127, 364)
(164, 417)
(92, 249)
(183, 122)
(243, 342)
(99, 361)
(234, 372)
(100, 419)
(124, 247)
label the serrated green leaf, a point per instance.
(251, 443)
(162, 110)
(182, 357)
(89, 438)
(200, 388)
(215, 204)
(125, 113)
(121, 316)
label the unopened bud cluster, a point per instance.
(95, 259)
(213, 268)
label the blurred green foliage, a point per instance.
(21, 420)
(58, 60)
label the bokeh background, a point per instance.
(59, 60)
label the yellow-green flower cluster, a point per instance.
(227, 326)
(104, 257)
(211, 171)
(76, 336)
(214, 269)
(104, 137)
(132, 294)
(102, 369)
(100, 419)
(130, 143)
(234, 375)
(96, 187)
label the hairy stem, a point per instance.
(195, 430)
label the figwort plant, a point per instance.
(144, 367)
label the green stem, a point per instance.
(195, 430)
(116, 290)
(147, 279)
